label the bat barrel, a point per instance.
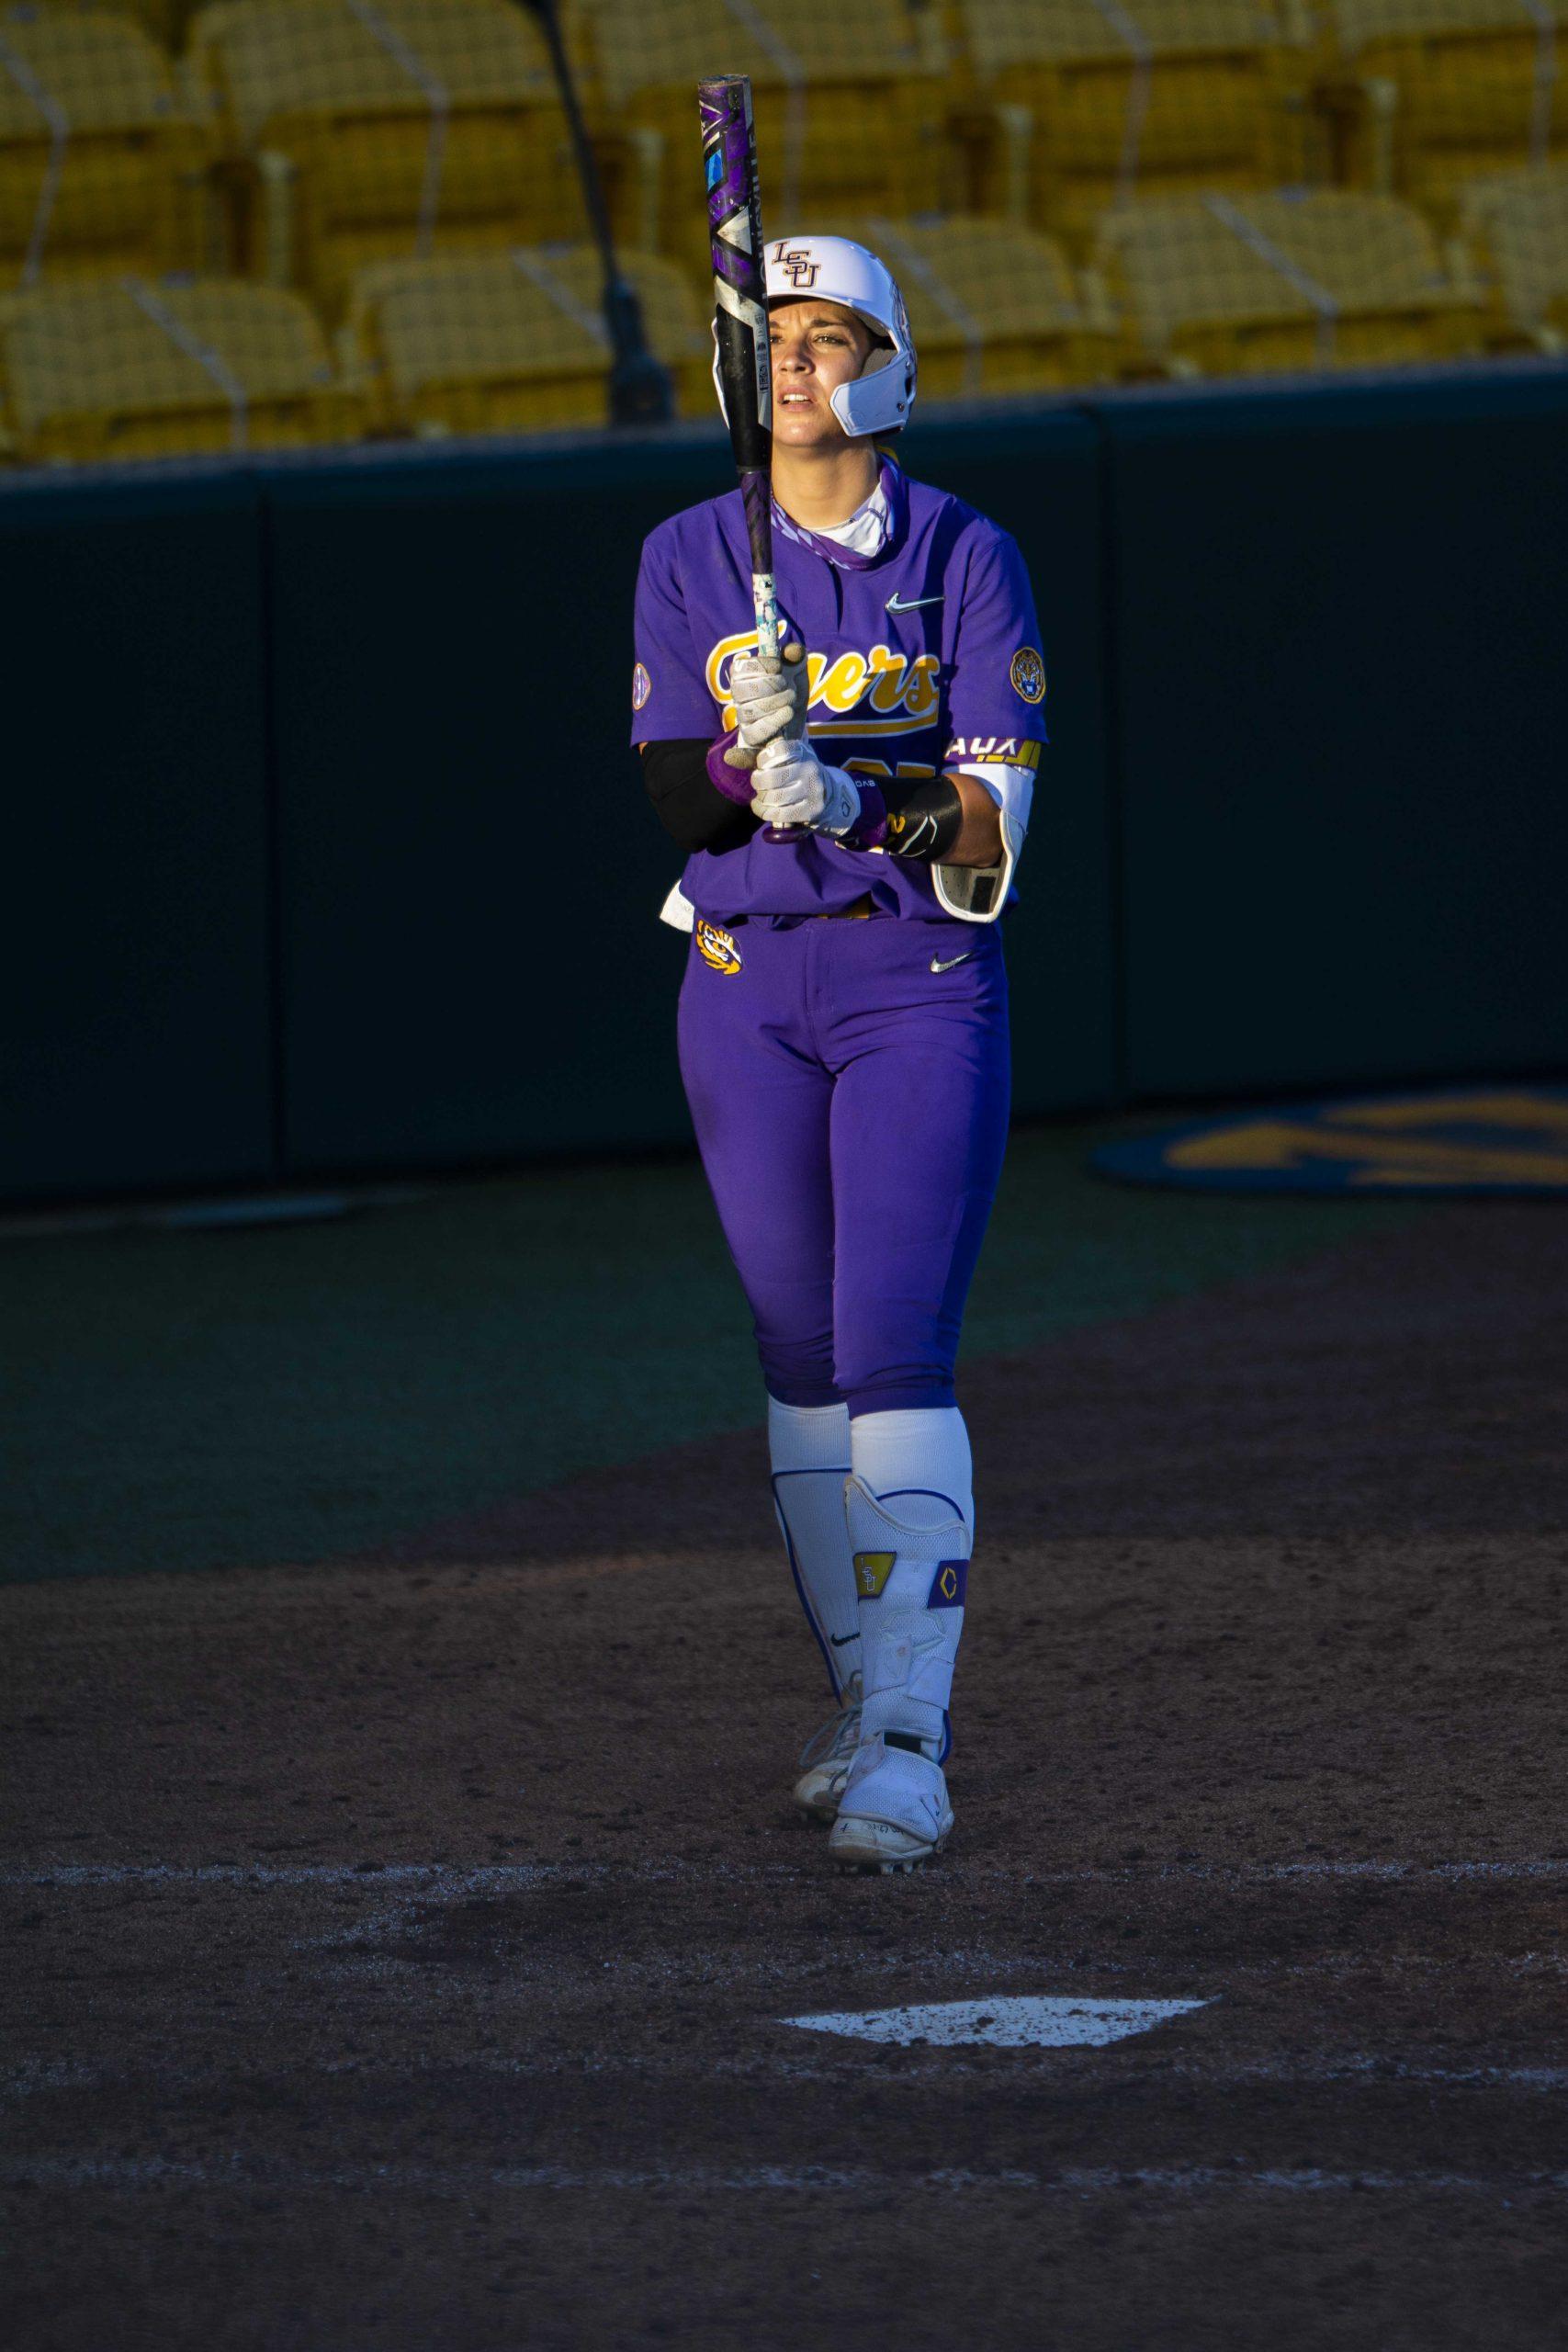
(729, 175)
(740, 318)
(735, 238)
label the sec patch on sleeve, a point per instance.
(1028, 674)
(642, 686)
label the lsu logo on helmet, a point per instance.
(799, 265)
(716, 948)
(1028, 674)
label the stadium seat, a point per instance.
(148, 370)
(1517, 231)
(163, 20)
(101, 162)
(847, 119)
(993, 308)
(512, 342)
(384, 130)
(1087, 103)
(1250, 285)
(1430, 93)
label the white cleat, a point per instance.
(826, 1758)
(894, 1814)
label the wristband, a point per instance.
(736, 784)
(869, 828)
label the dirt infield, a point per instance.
(405, 1946)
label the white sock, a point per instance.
(810, 1449)
(922, 1457)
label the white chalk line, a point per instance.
(36, 2078)
(478, 1878)
(239, 2172)
(499, 1877)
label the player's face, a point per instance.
(817, 346)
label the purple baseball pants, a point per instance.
(849, 1083)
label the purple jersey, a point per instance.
(923, 657)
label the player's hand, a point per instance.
(770, 701)
(794, 788)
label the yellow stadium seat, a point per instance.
(512, 342)
(384, 130)
(1251, 285)
(150, 369)
(1430, 93)
(1517, 230)
(992, 308)
(847, 118)
(164, 20)
(101, 161)
(1091, 102)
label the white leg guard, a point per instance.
(894, 1812)
(911, 1582)
(810, 1449)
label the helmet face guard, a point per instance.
(836, 270)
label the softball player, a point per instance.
(852, 803)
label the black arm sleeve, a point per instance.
(689, 807)
(924, 818)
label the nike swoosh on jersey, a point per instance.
(838, 1640)
(897, 603)
(951, 960)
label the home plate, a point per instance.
(1035, 2021)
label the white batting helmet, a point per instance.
(837, 270)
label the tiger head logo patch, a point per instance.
(716, 948)
(1028, 674)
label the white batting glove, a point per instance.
(770, 699)
(794, 788)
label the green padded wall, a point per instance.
(136, 1029)
(1337, 625)
(325, 851)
